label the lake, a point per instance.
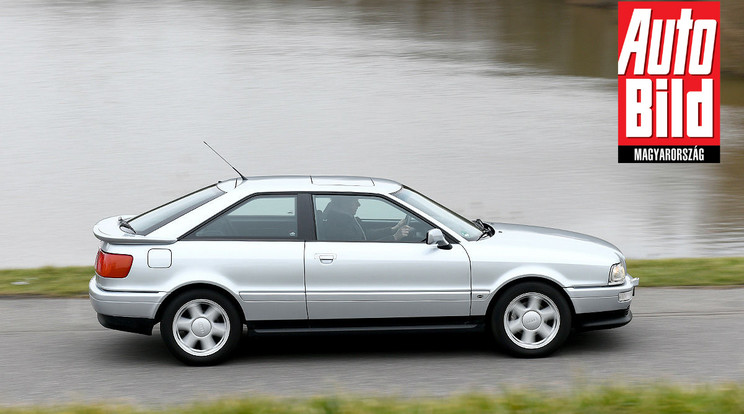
(502, 110)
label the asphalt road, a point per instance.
(53, 350)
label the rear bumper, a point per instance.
(603, 299)
(142, 305)
(120, 323)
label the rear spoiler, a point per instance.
(108, 230)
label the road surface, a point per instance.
(55, 351)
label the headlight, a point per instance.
(617, 274)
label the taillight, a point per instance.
(113, 265)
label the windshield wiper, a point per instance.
(126, 225)
(485, 228)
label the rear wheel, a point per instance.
(201, 327)
(531, 319)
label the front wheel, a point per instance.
(201, 327)
(531, 319)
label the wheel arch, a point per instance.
(193, 286)
(525, 279)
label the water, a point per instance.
(503, 110)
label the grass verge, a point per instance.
(717, 271)
(720, 399)
(46, 281)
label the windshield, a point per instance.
(450, 219)
(158, 217)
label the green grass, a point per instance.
(46, 281)
(719, 399)
(719, 271)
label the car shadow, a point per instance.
(600, 342)
(450, 344)
(367, 345)
(125, 349)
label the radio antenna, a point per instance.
(223, 159)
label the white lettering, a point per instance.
(638, 101)
(661, 108)
(706, 28)
(700, 111)
(653, 154)
(638, 27)
(684, 24)
(662, 42)
(656, 67)
(643, 104)
(677, 114)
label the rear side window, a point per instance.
(265, 217)
(154, 219)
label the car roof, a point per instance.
(334, 183)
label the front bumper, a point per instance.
(139, 305)
(602, 320)
(603, 299)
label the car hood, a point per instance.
(547, 234)
(532, 244)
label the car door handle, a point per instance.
(326, 258)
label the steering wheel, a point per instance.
(413, 234)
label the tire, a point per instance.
(531, 320)
(201, 327)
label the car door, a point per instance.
(357, 268)
(257, 248)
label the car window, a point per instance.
(450, 219)
(365, 218)
(266, 206)
(266, 217)
(148, 222)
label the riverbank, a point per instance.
(63, 282)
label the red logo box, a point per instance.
(669, 82)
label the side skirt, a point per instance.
(397, 325)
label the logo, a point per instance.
(201, 327)
(669, 76)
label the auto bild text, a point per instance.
(669, 82)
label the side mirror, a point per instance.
(435, 236)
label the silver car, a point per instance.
(300, 254)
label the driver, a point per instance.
(341, 223)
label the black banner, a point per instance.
(665, 154)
